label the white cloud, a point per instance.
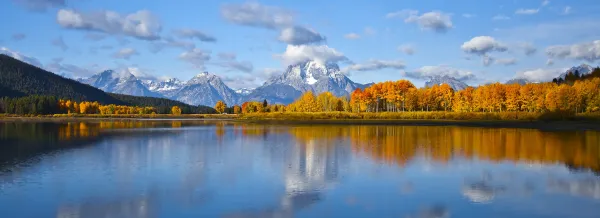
(549, 62)
(567, 10)
(500, 17)
(196, 57)
(125, 53)
(141, 24)
(468, 15)
(589, 51)
(195, 34)
(298, 35)
(21, 57)
(407, 49)
(482, 45)
(59, 42)
(435, 20)
(257, 15)
(505, 61)
(301, 53)
(373, 65)
(139, 73)
(352, 36)
(238, 82)
(427, 72)
(40, 5)
(522, 11)
(540, 75)
(545, 2)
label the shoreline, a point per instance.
(553, 125)
(580, 125)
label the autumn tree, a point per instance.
(175, 110)
(220, 106)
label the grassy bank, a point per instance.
(456, 116)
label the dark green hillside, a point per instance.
(163, 105)
(17, 77)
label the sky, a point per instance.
(246, 42)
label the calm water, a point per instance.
(222, 169)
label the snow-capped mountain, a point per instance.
(519, 81)
(122, 82)
(206, 89)
(453, 82)
(244, 91)
(167, 87)
(582, 69)
(303, 77)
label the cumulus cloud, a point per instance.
(482, 45)
(18, 36)
(257, 15)
(352, 36)
(40, 5)
(301, 53)
(435, 20)
(407, 49)
(500, 17)
(125, 53)
(59, 42)
(522, 11)
(589, 51)
(506, 61)
(427, 72)
(195, 34)
(139, 73)
(141, 24)
(21, 57)
(195, 57)
(372, 65)
(298, 35)
(540, 75)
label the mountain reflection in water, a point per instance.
(227, 169)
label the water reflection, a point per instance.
(224, 169)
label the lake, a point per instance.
(173, 168)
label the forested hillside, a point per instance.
(163, 105)
(27, 89)
(19, 77)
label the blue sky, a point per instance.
(244, 42)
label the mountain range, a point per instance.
(206, 88)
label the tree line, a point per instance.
(48, 105)
(582, 95)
